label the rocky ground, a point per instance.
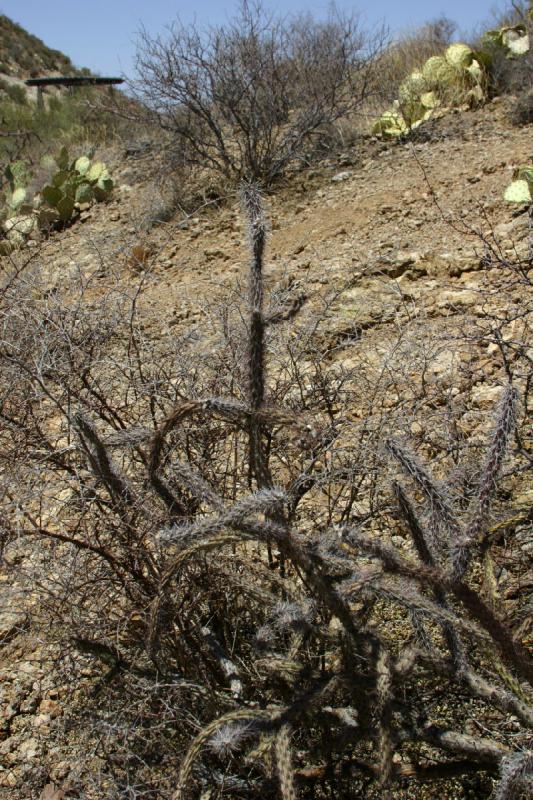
(399, 231)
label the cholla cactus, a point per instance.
(516, 776)
(229, 738)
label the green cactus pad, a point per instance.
(62, 160)
(48, 162)
(84, 193)
(96, 171)
(438, 72)
(17, 199)
(459, 55)
(70, 186)
(493, 37)
(52, 195)
(65, 208)
(18, 174)
(82, 165)
(518, 192)
(106, 184)
(61, 177)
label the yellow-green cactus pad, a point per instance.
(475, 96)
(518, 192)
(82, 165)
(438, 72)
(476, 71)
(391, 123)
(459, 55)
(17, 198)
(412, 87)
(430, 100)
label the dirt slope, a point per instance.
(387, 213)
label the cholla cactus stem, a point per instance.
(505, 420)
(384, 711)
(516, 776)
(438, 503)
(284, 763)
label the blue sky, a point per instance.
(100, 34)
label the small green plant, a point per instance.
(74, 183)
(16, 215)
(15, 92)
(520, 190)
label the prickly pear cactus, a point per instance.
(520, 190)
(17, 174)
(76, 182)
(391, 123)
(72, 183)
(459, 55)
(82, 165)
(516, 40)
(438, 73)
(458, 77)
(513, 40)
(16, 199)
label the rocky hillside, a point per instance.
(310, 514)
(23, 55)
(399, 236)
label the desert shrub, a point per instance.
(14, 92)
(250, 97)
(260, 584)
(510, 73)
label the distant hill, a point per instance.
(23, 55)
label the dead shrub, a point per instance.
(249, 98)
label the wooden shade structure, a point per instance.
(75, 80)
